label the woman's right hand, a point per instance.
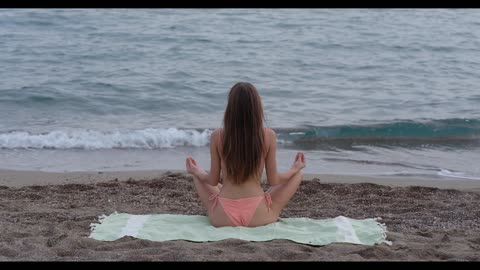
(299, 162)
(192, 166)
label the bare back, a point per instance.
(251, 187)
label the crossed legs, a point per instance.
(282, 193)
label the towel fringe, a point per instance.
(101, 219)
(383, 226)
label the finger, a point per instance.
(297, 156)
(303, 158)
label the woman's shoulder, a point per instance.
(216, 135)
(270, 132)
(217, 132)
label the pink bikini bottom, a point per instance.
(241, 211)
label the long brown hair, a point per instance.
(243, 135)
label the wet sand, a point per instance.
(46, 216)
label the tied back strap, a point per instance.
(268, 200)
(213, 198)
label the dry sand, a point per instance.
(49, 220)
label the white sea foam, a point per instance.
(460, 175)
(149, 138)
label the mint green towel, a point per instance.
(165, 227)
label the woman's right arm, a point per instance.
(213, 176)
(273, 177)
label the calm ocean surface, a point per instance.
(376, 92)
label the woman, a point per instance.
(239, 152)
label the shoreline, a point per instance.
(16, 178)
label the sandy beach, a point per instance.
(46, 216)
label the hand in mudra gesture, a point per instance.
(192, 167)
(299, 162)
